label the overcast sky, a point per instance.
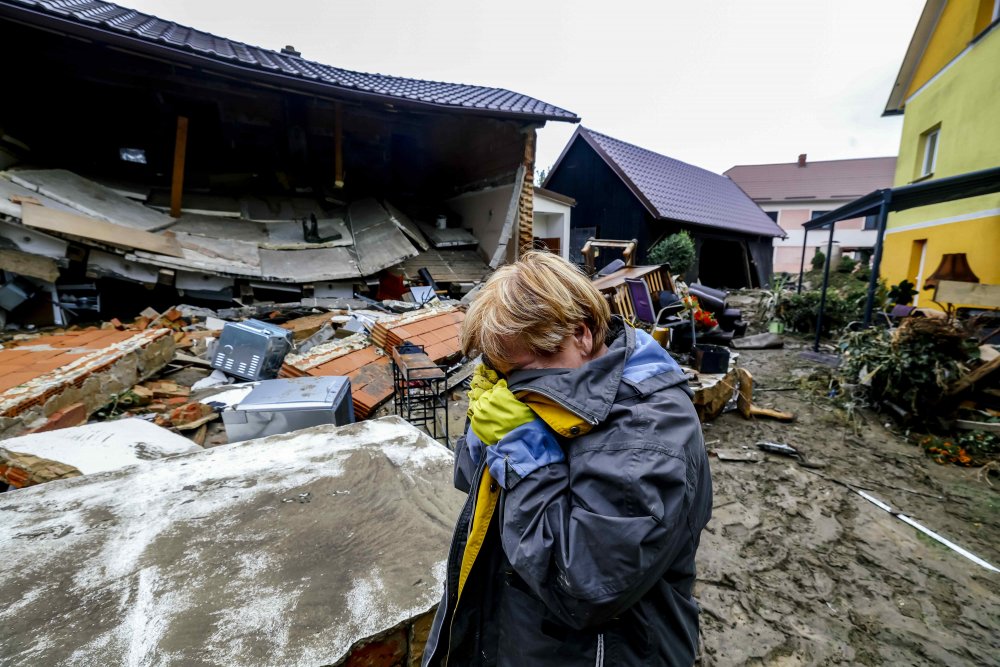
(712, 82)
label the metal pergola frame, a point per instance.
(882, 202)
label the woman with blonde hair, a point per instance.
(588, 485)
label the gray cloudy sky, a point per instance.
(711, 82)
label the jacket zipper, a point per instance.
(599, 662)
(593, 421)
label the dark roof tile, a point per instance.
(676, 190)
(113, 18)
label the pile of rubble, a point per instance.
(177, 372)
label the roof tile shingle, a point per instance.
(828, 179)
(679, 191)
(112, 18)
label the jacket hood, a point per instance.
(589, 391)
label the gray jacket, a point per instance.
(589, 557)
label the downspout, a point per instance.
(883, 216)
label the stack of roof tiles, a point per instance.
(362, 362)
(34, 372)
(437, 332)
(368, 368)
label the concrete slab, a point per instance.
(286, 550)
(90, 198)
(101, 446)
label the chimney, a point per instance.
(802, 159)
(290, 51)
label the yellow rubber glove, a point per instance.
(482, 381)
(496, 413)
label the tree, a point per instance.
(677, 250)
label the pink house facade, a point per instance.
(793, 193)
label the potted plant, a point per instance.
(771, 303)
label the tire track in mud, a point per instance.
(796, 570)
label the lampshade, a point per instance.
(954, 266)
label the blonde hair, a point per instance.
(537, 301)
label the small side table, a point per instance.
(419, 389)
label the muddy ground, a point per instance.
(795, 569)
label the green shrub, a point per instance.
(846, 265)
(677, 250)
(799, 311)
(910, 367)
(818, 260)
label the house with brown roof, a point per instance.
(254, 173)
(623, 191)
(793, 193)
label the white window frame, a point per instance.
(931, 143)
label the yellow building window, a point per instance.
(929, 141)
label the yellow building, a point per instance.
(948, 89)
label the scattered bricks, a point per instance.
(73, 415)
(140, 323)
(389, 651)
(189, 416)
(21, 470)
(149, 314)
(167, 389)
(143, 394)
(116, 323)
(172, 315)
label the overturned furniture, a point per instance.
(297, 549)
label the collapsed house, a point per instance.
(143, 151)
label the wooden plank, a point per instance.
(63, 222)
(973, 377)
(31, 266)
(177, 181)
(968, 294)
(338, 147)
(89, 198)
(618, 277)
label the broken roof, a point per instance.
(169, 40)
(828, 179)
(674, 190)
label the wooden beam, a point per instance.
(973, 377)
(72, 224)
(338, 147)
(26, 264)
(177, 182)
